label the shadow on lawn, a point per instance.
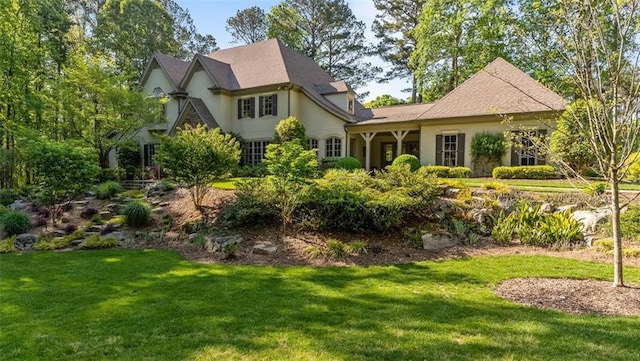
(135, 304)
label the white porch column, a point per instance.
(399, 135)
(367, 148)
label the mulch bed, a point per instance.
(573, 296)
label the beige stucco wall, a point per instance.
(157, 78)
(428, 134)
(257, 128)
(319, 123)
(339, 99)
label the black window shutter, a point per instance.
(239, 108)
(515, 151)
(252, 102)
(438, 149)
(261, 106)
(274, 101)
(460, 155)
(145, 157)
(542, 133)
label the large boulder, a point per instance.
(25, 241)
(433, 242)
(589, 219)
(218, 243)
(266, 249)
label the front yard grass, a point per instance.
(151, 304)
(557, 185)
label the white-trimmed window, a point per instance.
(268, 105)
(148, 150)
(333, 147)
(253, 151)
(528, 152)
(450, 150)
(312, 143)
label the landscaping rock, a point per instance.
(482, 217)
(164, 204)
(266, 249)
(451, 192)
(59, 233)
(570, 207)
(589, 220)
(547, 208)
(192, 236)
(25, 241)
(106, 215)
(65, 220)
(217, 243)
(80, 203)
(120, 236)
(94, 228)
(432, 242)
(158, 210)
(18, 205)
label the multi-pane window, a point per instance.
(312, 143)
(528, 151)
(149, 151)
(253, 151)
(269, 105)
(246, 107)
(333, 147)
(450, 150)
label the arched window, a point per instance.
(333, 147)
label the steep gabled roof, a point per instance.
(333, 88)
(194, 106)
(499, 88)
(174, 69)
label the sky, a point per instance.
(210, 17)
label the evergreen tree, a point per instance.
(395, 26)
(248, 26)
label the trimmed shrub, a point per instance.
(442, 171)
(137, 214)
(95, 242)
(634, 167)
(460, 172)
(15, 222)
(439, 171)
(409, 159)
(108, 189)
(630, 223)
(348, 163)
(525, 172)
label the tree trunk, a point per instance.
(617, 235)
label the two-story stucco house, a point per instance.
(249, 89)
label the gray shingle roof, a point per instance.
(396, 113)
(174, 68)
(499, 88)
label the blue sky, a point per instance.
(210, 17)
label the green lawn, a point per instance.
(226, 184)
(152, 305)
(557, 185)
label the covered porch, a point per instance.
(376, 146)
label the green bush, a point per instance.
(7, 245)
(525, 172)
(15, 222)
(409, 159)
(108, 189)
(535, 228)
(337, 249)
(634, 167)
(488, 147)
(442, 171)
(439, 171)
(254, 204)
(459, 172)
(630, 223)
(95, 242)
(348, 163)
(7, 196)
(137, 214)
(595, 189)
(251, 171)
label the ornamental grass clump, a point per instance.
(137, 214)
(108, 189)
(15, 222)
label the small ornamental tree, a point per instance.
(290, 166)
(290, 129)
(487, 150)
(63, 169)
(196, 157)
(570, 144)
